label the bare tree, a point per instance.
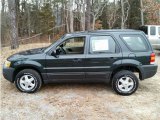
(13, 24)
(142, 12)
(66, 17)
(112, 14)
(97, 9)
(88, 17)
(125, 7)
(71, 15)
(80, 12)
(2, 19)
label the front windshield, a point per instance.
(50, 46)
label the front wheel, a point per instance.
(125, 82)
(28, 81)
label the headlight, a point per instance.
(7, 64)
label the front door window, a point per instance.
(73, 45)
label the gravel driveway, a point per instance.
(81, 102)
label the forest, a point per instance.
(31, 21)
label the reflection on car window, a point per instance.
(102, 44)
(75, 42)
(135, 43)
(152, 30)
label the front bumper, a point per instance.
(148, 71)
(8, 73)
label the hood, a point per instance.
(24, 54)
(32, 51)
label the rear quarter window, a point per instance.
(135, 42)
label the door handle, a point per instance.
(113, 57)
(76, 60)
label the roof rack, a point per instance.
(103, 31)
(111, 30)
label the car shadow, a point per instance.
(77, 86)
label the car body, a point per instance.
(90, 56)
(153, 34)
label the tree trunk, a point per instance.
(66, 19)
(2, 21)
(125, 13)
(93, 23)
(71, 15)
(159, 16)
(142, 13)
(88, 17)
(122, 18)
(83, 16)
(83, 23)
(28, 21)
(13, 24)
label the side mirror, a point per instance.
(54, 53)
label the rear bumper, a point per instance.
(8, 73)
(148, 71)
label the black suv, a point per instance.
(111, 56)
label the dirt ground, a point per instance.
(79, 101)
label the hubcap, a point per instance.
(27, 82)
(125, 84)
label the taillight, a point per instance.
(152, 58)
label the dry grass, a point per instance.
(79, 101)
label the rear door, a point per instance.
(103, 55)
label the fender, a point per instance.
(29, 63)
(129, 63)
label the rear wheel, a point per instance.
(125, 82)
(28, 81)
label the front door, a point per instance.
(69, 63)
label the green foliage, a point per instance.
(34, 19)
(46, 18)
(134, 20)
(103, 18)
(158, 0)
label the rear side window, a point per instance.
(135, 42)
(102, 44)
(152, 30)
(159, 30)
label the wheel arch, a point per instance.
(132, 68)
(17, 70)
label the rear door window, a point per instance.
(135, 42)
(102, 44)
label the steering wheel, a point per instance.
(62, 51)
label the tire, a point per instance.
(125, 82)
(28, 81)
